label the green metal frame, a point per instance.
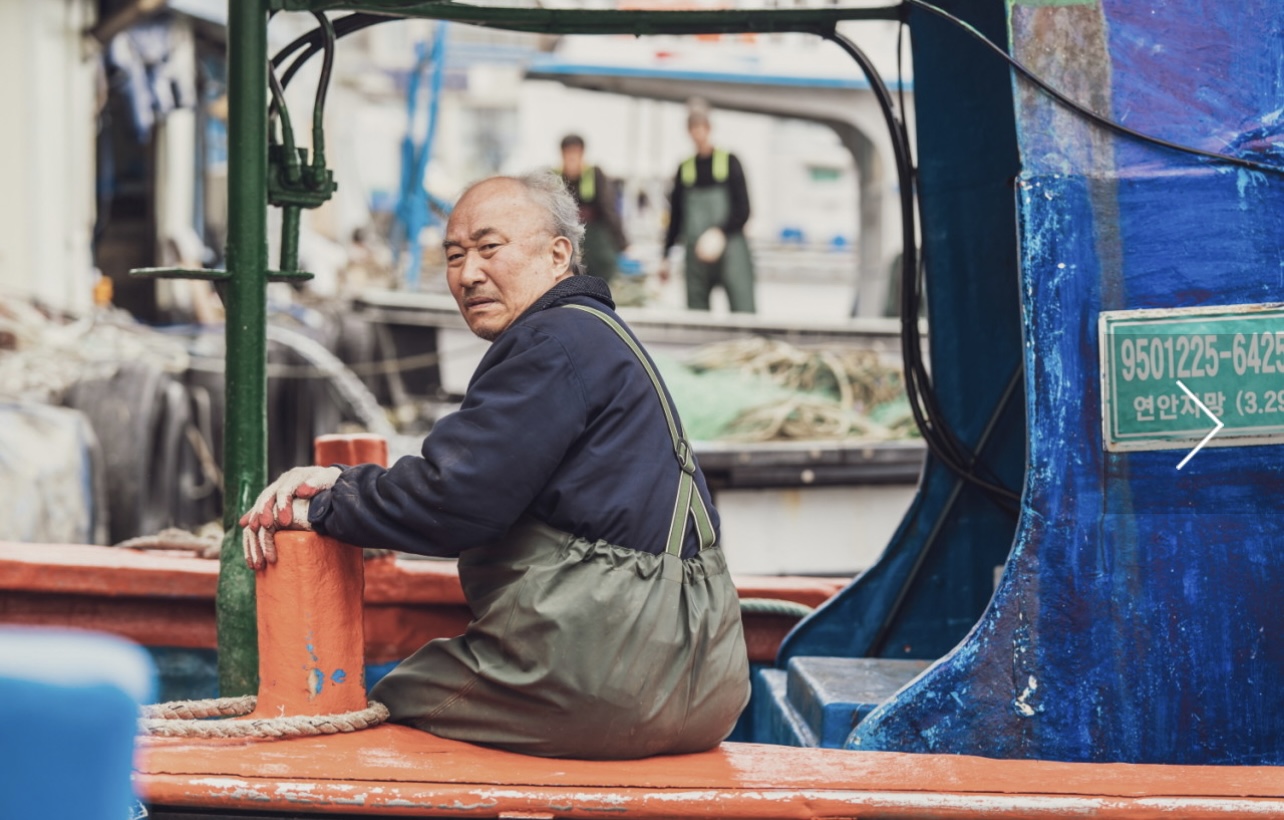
(245, 300)
(247, 275)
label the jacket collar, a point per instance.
(568, 290)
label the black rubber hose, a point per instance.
(940, 440)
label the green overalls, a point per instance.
(598, 250)
(705, 208)
(584, 649)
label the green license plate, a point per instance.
(1231, 358)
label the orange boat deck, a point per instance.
(167, 598)
(397, 771)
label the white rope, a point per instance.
(190, 718)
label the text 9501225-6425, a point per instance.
(1231, 358)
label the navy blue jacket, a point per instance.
(560, 421)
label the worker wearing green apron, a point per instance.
(708, 211)
(605, 622)
(595, 194)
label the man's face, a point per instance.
(501, 255)
(700, 133)
(572, 160)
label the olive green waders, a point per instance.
(584, 649)
(598, 249)
(705, 208)
(599, 252)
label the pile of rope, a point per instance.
(41, 357)
(834, 391)
(206, 542)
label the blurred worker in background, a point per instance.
(708, 211)
(595, 194)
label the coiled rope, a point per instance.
(774, 606)
(191, 718)
(834, 391)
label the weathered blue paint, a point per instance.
(1138, 617)
(316, 681)
(192, 674)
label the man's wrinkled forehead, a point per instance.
(496, 206)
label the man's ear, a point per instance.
(562, 256)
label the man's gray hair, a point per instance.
(549, 191)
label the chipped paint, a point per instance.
(1022, 703)
(311, 620)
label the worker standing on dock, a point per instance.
(605, 624)
(595, 193)
(708, 210)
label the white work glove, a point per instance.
(710, 246)
(283, 504)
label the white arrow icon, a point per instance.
(1216, 421)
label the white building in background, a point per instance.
(805, 183)
(50, 100)
(510, 98)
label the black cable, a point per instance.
(1103, 121)
(291, 155)
(314, 41)
(323, 86)
(929, 418)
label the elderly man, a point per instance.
(605, 624)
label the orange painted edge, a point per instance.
(73, 568)
(382, 798)
(167, 599)
(398, 755)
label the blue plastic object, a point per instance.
(416, 208)
(69, 710)
(817, 701)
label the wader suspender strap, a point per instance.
(688, 501)
(721, 168)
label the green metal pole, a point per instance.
(245, 427)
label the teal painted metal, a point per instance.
(245, 427)
(294, 183)
(935, 578)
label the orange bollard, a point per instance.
(311, 635)
(350, 448)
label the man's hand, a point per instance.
(283, 504)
